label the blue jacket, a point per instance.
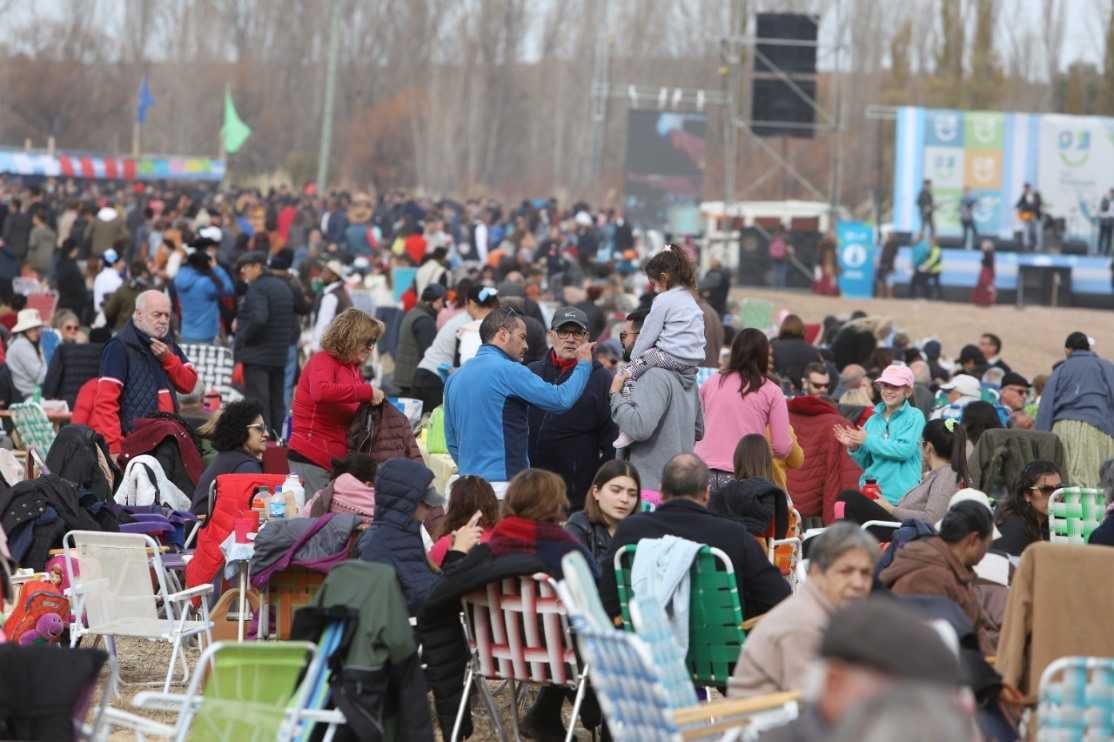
(891, 452)
(486, 426)
(200, 301)
(394, 537)
(1081, 388)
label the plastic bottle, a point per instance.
(871, 489)
(260, 502)
(293, 485)
(277, 505)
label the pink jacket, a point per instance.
(441, 546)
(729, 416)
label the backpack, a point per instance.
(362, 429)
(41, 611)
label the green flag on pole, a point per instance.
(234, 132)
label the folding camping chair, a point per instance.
(37, 696)
(33, 426)
(1076, 701)
(715, 615)
(112, 594)
(254, 692)
(214, 369)
(1073, 512)
(517, 631)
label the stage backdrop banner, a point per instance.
(664, 179)
(855, 241)
(994, 154)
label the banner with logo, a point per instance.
(855, 243)
(992, 155)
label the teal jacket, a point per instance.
(891, 452)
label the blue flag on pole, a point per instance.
(144, 101)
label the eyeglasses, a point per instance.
(260, 427)
(70, 328)
(570, 332)
(1046, 490)
(625, 335)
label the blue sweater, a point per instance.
(1082, 389)
(891, 452)
(486, 426)
(200, 301)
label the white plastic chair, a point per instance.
(112, 595)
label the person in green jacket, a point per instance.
(888, 447)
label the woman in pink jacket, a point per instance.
(741, 400)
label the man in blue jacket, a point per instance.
(486, 401)
(574, 443)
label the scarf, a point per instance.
(548, 542)
(563, 367)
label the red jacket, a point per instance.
(325, 401)
(828, 469)
(83, 405)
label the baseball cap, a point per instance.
(880, 635)
(966, 385)
(1015, 379)
(484, 296)
(970, 493)
(250, 257)
(569, 316)
(433, 292)
(895, 375)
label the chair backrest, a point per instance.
(756, 313)
(33, 426)
(518, 629)
(1076, 700)
(652, 625)
(214, 365)
(715, 613)
(249, 689)
(630, 694)
(578, 591)
(1073, 512)
(113, 575)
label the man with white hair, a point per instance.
(142, 371)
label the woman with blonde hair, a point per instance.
(329, 392)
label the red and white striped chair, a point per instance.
(517, 631)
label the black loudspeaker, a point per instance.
(777, 109)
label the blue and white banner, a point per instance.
(855, 245)
(1089, 275)
(1068, 159)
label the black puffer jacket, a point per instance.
(753, 502)
(265, 322)
(574, 443)
(72, 365)
(791, 355)
(593, 536)
(29, 504)
(394, 537)
(74, 458)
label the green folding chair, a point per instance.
(254, 692)
(715, 613)
(1073, 512)
(756, 313)
(34, 427)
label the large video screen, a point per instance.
(664, 180)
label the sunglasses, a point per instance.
(822, 385)
(70, 328)
(260, 427)
(1046, 490)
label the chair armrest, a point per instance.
(750, 623)
(719, 716)
(190, 593)
(114, 717)
(321, 716)
(159, 701)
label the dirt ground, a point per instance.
(143, 663)
(1032, 337)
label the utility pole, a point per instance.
(330, 91)
(600, 77)
(733, 59)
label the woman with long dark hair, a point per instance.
(741, 400)
(1022, 518)
(614, 495)
(977, 418)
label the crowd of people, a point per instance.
(592, 391)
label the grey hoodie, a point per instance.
(663, 417)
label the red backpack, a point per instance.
(41, 611)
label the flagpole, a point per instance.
(221, 154)
(136, 128)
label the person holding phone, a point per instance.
(142, 371)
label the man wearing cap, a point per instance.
(441, 356)
(869, 647)
(263, 329)
(487, 401)
(109, 279)
(1078, 406)
(961, 390)
(416, 334)
(333, 300)
(574, 443)
(1014, 395)
(201, 285)
(142, 371)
